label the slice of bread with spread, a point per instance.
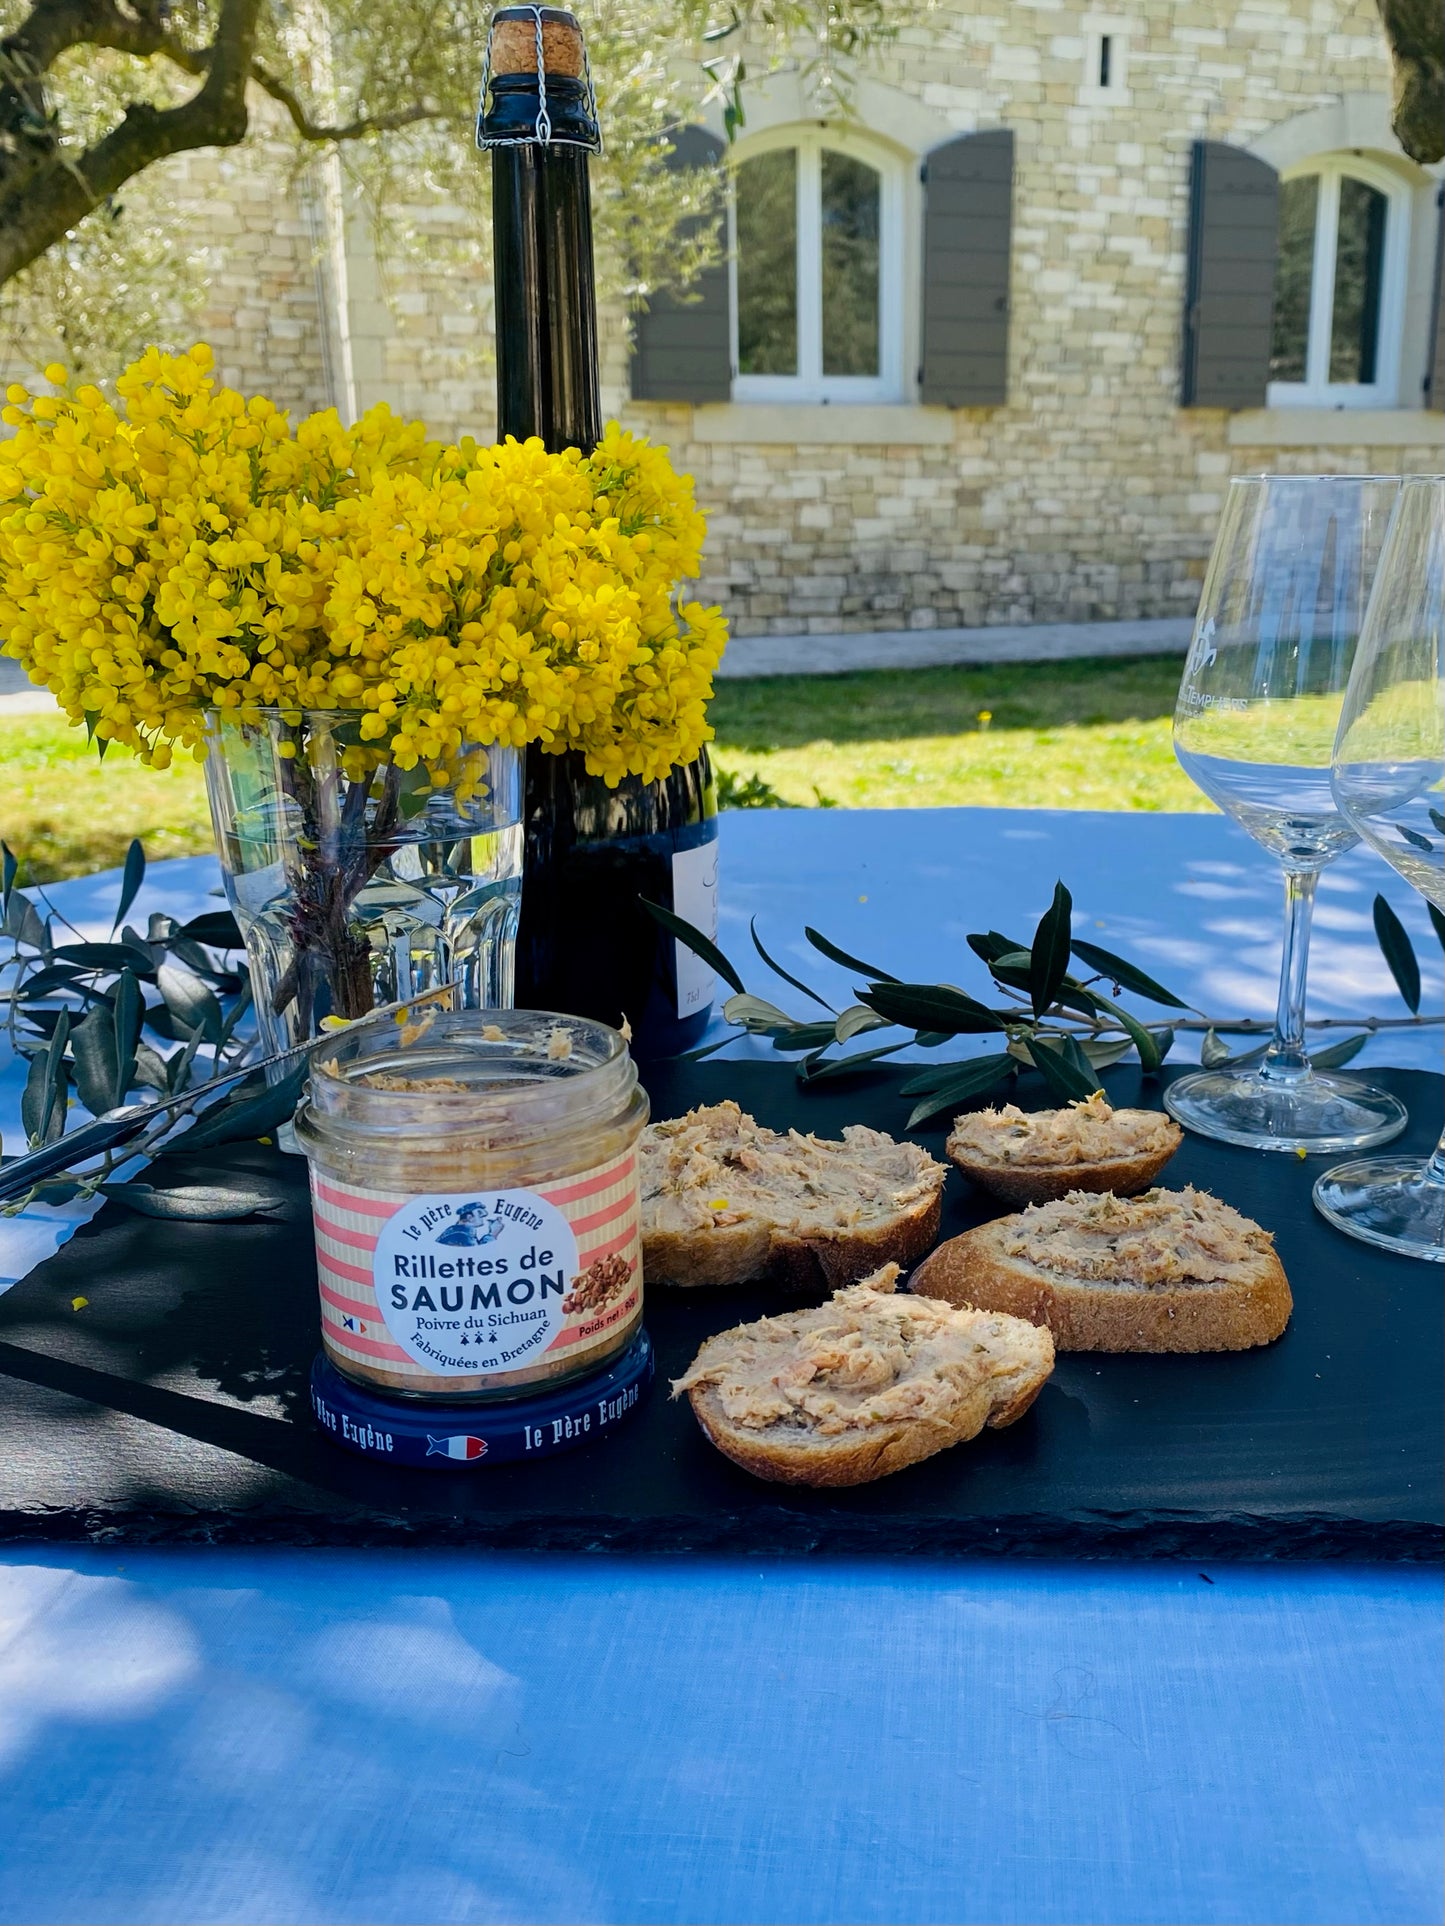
(725, 1201)
(1031, 1157)
(1173, 1270)
(865, 1384)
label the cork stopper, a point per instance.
(514, 42)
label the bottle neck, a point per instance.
(544, 277)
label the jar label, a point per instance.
(477, 1283)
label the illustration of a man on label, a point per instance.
(474, 1225)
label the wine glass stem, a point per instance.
(1434, 1171)
(1287, 1060)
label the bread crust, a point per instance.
(974, 1269)
(810, 1264)
(1043, 1183)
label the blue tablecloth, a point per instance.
(374, 1737)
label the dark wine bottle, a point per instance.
(586, 945)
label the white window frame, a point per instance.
(1317, 390)
(810, 383)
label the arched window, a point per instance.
(816, 269)
(1339, 292)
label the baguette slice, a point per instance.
(1173, 1270)
(1032, 1157)
(725, 1201)
(860, 1386)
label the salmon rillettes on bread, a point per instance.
(1031, 1157)
(863, 1385)
(1173, 1270)
(727, 1201)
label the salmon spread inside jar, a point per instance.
(474, 1191)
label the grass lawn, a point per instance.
(1057, 735)
(1067, 735)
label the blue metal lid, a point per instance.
(444, 1437)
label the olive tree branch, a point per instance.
(44, 192)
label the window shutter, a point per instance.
(1229, 295)
(682, 350)
(1435, 365)
(967, 227)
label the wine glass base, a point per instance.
(1388, 1201)
(1318, 1112)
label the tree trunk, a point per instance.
(1415, 30)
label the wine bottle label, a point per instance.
(477, 1284)
(694, 898)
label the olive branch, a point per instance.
(143, 1012)
(1058, 1012)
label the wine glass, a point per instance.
(1254, 727)
(1389, 765)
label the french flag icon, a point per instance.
(457, 1446)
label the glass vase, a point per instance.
(358, 890)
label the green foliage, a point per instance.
(80, 1012)
(747, 792)
(1399, 953)
(390, 88)
(1062, 1027)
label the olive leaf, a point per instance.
(54, 976)
(1104, 1051)
(930, 1006)
(778, 969)
(993, 948)
(247, 1112)
(92, 1050)
(217, 929)
(1437, 923)
(414, 792)
(1142, 1039)
(107, 956)
(151, 1071)
(1012, 969)
(9, 868)
(1339, 1053)
(856, 1019)
(694, 940)
(178, 1067)
(1399, 953)
(1124, 975)
(821, 1072)
(127, 1010)
(189, 1001)
(23, 922)
(1059, 1071)
(132, 876)
(1213, 1051)
(1414, 838)
(42, 1106)
(754, 1013)
(199, 1203)
(804, 1036)
(974, 1079)
(937, 1077)
(1049, 952)
(832, 951)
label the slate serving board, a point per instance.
(172, 1406)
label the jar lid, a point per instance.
(504, 1077)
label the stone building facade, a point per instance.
(1083, 487)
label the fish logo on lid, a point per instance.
(459, 1445)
